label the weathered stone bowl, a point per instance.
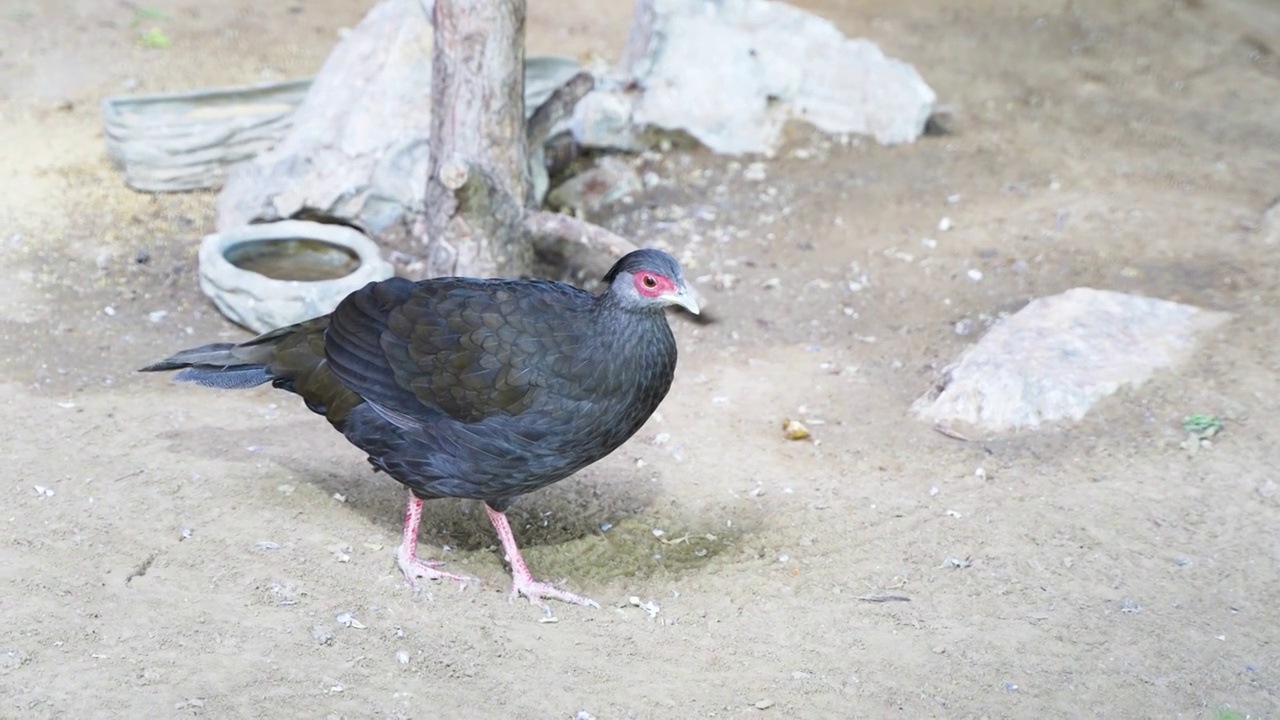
(275, 274)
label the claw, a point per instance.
(537, 591)
(415, 569)
(522, 580)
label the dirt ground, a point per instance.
(1095, 570)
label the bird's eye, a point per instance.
(649, 281)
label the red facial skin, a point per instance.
(651, 284)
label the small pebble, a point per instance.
(322, 635)
(402, 657)
(794, 430)
(945, 224)
(764, 704)
(341, 552)
(346, 619)
(975, 274)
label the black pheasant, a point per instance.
(480, 389)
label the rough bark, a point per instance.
(479, 218)
(479, 177)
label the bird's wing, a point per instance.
(464, 349)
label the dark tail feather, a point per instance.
(214, 366)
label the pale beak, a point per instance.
(685, 298)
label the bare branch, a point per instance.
(578, 245)
(558, 107)
(574, 243)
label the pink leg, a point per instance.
(522, 580)
(407, 555)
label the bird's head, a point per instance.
(647, 278)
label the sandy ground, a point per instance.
(1098, 570)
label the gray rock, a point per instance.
(609, 181)
(1059, 355)
(358, 147)
(357, 150)
(261, 303)
(732, 73)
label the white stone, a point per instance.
(732, 73)
(1059, 355)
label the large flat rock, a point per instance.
(1059, 355)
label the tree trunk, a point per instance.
(478, 216)
(479, 177)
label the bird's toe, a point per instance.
(538, 592)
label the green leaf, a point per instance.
(155, 38)
(1205, 426)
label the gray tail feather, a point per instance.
(213, 366)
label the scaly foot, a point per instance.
(415, 569)
(522, 582)
(537, 591)
(407, 556)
